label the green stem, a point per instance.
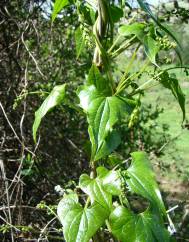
(140, 88)
(87, 202)
(124, 84)
(122, 47)
(30, 93)
(114, 44)
(108, 226)
(51, 211)
(132, 59)
(147, 88)
(93, 170)
(177, 67)
(105, 62)
(123, 78)
(152, 79)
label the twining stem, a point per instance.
(100, 51)
(93, 173)
(99, 30)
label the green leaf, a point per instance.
(114, 159)
(58, 6)
(93, 4)
(145, 7)
(111, 180)
(103, 112)
(95, 190)
(109, 144)
(150, 45)
(55, 98)
(172, 84)
(80, 42)
(142, 180)
(132, 29)
(116, 13)
(95, 78)
(80, 224)
(151, 48)
(129, 227)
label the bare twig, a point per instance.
(7, 196)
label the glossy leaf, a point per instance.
(150, 45)
(95, 190)
(58, 6)
(151, 48)
(80, 42)
(132, 29)
(111, 180)
(103, 112)
(129, 227)
(141, 180)
(109, 144)
(138, 29)
(95, 78)
(172, 83)
(80, 224)
(55, 98)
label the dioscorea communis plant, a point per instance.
(99, 208)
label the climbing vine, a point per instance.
(99, 208)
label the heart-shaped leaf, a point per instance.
(132, 29)
(103, 112)
(111, 180)
(150, 44)
(129, 227)
(142, 180)
(146, 8)
(80, 224)
(95, 190)
(55, 98)
(95, 78)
